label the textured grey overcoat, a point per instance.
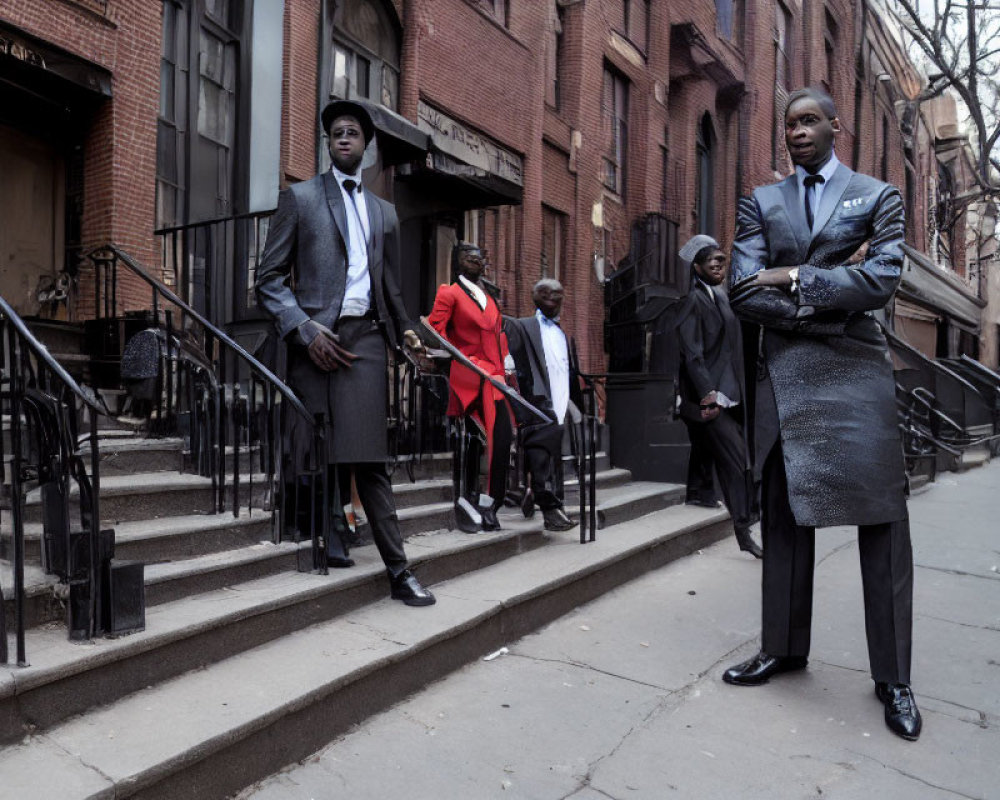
(826, 386)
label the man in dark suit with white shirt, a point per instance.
(815, 256)
(329, 279)
(545, 378)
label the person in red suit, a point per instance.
(468, 316)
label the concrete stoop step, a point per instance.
(229, 686)
(206, 551)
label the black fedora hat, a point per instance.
(345, 108)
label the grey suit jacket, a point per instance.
(826, 385)
(303, 270)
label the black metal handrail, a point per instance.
(200, 401)
(41, 401)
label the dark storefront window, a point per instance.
(614, 107)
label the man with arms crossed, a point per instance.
(826, 430)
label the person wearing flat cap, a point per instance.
(329, 279)
(712, 388)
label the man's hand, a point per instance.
(324, 347)
(709, 407)
(412, 341)
(776, 276)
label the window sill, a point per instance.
(495, 22)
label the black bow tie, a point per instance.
(351, 185)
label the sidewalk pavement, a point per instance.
(623, 698)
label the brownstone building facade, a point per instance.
(573, 138)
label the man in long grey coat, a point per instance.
(328, 278)
(826, 432)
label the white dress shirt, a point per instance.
(358, 289)
(556, 362)
(817, 188)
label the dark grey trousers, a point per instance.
(787, 582)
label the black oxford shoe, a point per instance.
(902, 716)
(407, 588)
(761, 668)
(490, 521)
(338, 562)
(747, 544)
(556, 520)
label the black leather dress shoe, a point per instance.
(407, 588)
(761, 668)
(902, 716)
(490, 521)
(747, 544)
(557, 520)
(337, 562)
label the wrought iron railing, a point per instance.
(223, 402)
(43, 409)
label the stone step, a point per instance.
(212, 731)
(144, 496)
(198, 552)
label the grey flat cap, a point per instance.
(693, 245)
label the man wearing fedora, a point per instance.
(329, 280)
(712, 386)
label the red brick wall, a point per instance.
(120, 146)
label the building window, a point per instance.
(782, 79)
(830, 32)
(197, 126)
(705, 178)
(554, 56)
(364, 62)
(495, 8)
(637, 23)
(553, 243)
(614, 111)
(724, 17)
(782, 45)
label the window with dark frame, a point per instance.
(364, 55)
(782, 79)
(637, 23)
(830, 34)
(554, 57)
(495, 8)
(705, 177)
(553, 243)
(614, 111)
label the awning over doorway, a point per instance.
(27, 55)
(931, 287)
(464, 167)
(399, 139)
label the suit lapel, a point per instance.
(375, 226)
(335, 200)
(791, 194)
(832, 193)
(534, 330)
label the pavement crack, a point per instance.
(993, 628)
(916, 778)
(588, 667)
(56, 743)
(959, 572)
(838, 549)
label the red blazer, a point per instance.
(478, 334)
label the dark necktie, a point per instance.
(809, 182)
(351, 186)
